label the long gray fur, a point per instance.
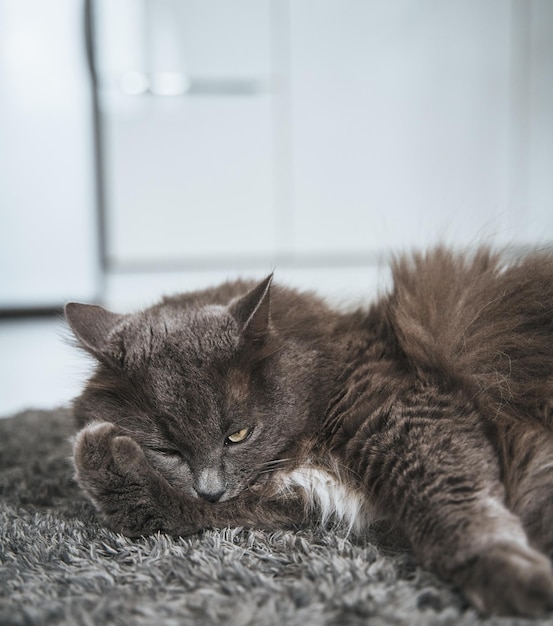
(60, 566)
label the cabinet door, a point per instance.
(401, 123)
(48, 244)
(189, 156)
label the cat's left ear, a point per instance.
(252, 311)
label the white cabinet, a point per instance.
(401, 123)
(306, 136)
(189, 156)
(421, 121)
(48, 232)
(313, 137)
(189, 180)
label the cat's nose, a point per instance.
(210, 484)
(211, 496)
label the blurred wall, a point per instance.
(313, 137)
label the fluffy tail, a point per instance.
(483, 321)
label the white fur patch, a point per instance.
(325, 493)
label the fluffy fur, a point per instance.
(432, 409)
(324, 493)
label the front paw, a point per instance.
(510, 579)
(103, 456)
(114, 472)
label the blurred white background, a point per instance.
(217, 138)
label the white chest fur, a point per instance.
(324, 493)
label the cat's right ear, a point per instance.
(92, 325)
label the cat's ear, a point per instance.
(92, 326)
(252, 310)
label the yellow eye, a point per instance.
(239, 435)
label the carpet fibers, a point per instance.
(59, 565)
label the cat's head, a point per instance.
(211, 391)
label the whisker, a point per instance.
(269, 467)
(272, 465)
(272, 470)
(275, 462)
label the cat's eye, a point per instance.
(239, 436)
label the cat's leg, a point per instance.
(435, 473)
(134, 499)
(527, 453)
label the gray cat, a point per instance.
(256, 405)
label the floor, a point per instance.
(39, 368)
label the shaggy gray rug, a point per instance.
(60, 566)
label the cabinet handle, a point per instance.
(164, 84)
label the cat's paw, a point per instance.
(103, 455)
(114, 472)
(510, 579)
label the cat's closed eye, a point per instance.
(239, 436)
(168, 451)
